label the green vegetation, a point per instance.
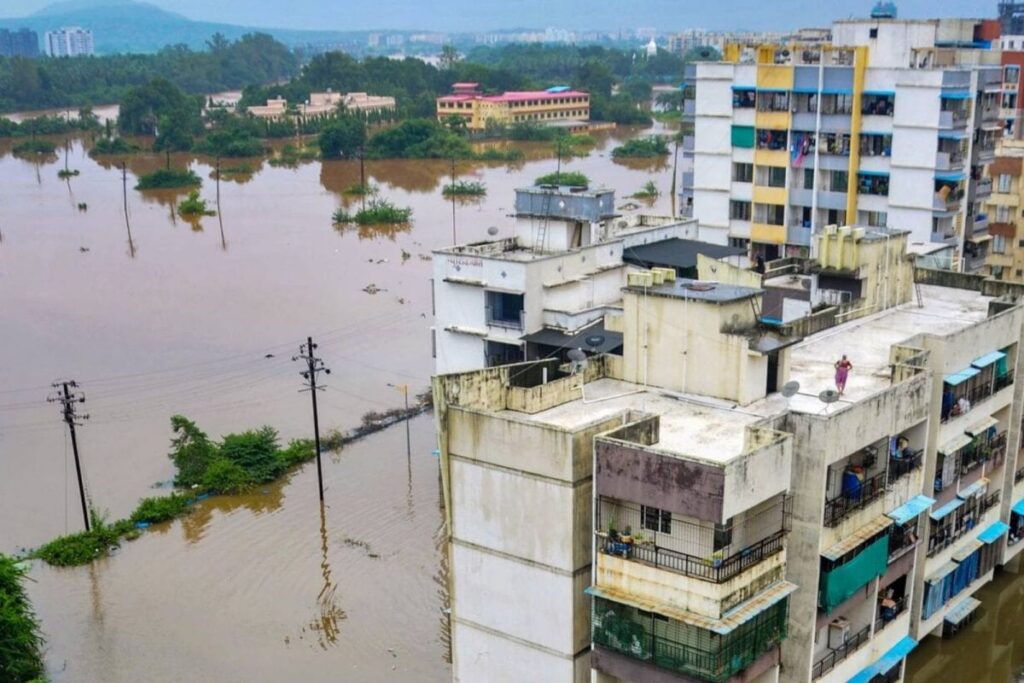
(86, 121)
(237, 169)
(161, 508)
(225, 65)
(161, 108)
(83, 547)
(193, 206)
(291, 155)
(464, 188)
(66, 173)
(235, 140)
(113, 145)
(168, 178)
(34, 146)
(648, 191)
(21, 642)
(342, 137)
(418, 139)
(571, 178)
(377, 212)
(359, 190)
(642, 148)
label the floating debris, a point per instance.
(405, 256)
(372, 289)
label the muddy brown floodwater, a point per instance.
(201, 319)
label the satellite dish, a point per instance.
(594, 340)
(828, 397)
(579, 360)
(790, 389)
(492, 231)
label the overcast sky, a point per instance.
(473, 15)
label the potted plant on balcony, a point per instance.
(627, 535)
(715, 559)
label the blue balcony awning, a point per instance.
(744, 88)
(993, 532)
(881, 93)
(879, 174)
(952, 135)
(896, 654)
(947, 508)
(960, 377)
(911, 509)
(773, 90)
(988, 359)
(876, 133)
(1018, 507)
(956, 95)
(950, 177)
(963, 610)
(974, 489)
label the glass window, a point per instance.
(743, 173)
(739, 210)
(1004, 182)
(656, 519)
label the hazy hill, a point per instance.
(126, 26)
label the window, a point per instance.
(772, 214)
(1004, 182)
(743, 99)
(771, 139)
(739, 210)
(875, 219)
(655, 519)
(743, 173)
(999, 244)
(739, 242)
(776, 176)
(873, 33)
(1020, 244)
(836, 181)
(773, 101)
(877, 185)
(1002, 214)
(809, 178)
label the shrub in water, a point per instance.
(21, 644)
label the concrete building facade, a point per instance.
(476, 111)
(1005, 260)
(791, 138)
(742, 521)
(21, 43)
(322, 104)
(70, 41)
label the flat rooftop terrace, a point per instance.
(696, 427)
(866, 343)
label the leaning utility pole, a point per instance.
(124, 184)
(67, 398)
(454, 238)
(313, 366)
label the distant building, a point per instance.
(21, 43)
(536, 106)
(324, 104)
(651, 48)
(70, 41)
(1005, 260)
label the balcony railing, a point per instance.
(887, 613)
(1002, 381)
(830, 660)
(900, 540)
(987, 503)
(902, 466)
(713, 569)
(1018, 476)
(845, 504)
(514, 322)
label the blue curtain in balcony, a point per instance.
(966, 572)
(843, 581)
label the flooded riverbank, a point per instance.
(202, 319)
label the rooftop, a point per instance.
(866, 342)
(515, 96)
(699, 290)
(698, 427)
(677, 253)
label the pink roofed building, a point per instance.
(477, 110)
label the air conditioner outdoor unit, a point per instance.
(838, 632)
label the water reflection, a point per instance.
(325, 624)
(373, 232)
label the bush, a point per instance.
(194, 206)
(229, 143)
(191, 451)
(255, 451)
(648, 191)
(571, 178)
(225, 476)
(463, 188)
(342, 137)
(167, 178)
(494, 154)
(298, 451)
(532, 132)
(21, 658)
(358, 190)
(34, 147)
(84, 547)
(377, 212)
(113, 146)
(642, 148)
(161, 508)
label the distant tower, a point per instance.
(652, 48)
(884, 9)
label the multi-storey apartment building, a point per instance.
(476, 110)
(70, 41)
(891, 124)
(1005, 260)
(21, 43)
(730, 515)
(547, 285)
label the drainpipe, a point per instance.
(817, 135)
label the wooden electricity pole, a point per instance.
(68, 397)
(313, 367)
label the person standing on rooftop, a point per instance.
(843, 367)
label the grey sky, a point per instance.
(475, 15)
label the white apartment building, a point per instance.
(725, 530)
(891, 124)
(69, 41)
(562, 269)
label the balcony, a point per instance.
(848, 502)
(953, 119)
(836, 655)
(949, 161)
(982, 188)
(683, 647)
(1018, 476)
(888, 610)
(902, 466)
(508, 321)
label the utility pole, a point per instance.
(67, 395)
(362, 177)
(124, 184)
(404, 388)
(220, 215)
(313, 367)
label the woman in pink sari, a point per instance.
(843, 367)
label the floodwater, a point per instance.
(202, 318)
(991, 649)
